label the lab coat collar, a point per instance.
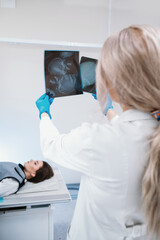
(134, 115)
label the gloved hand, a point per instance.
(94, 95)
(43, 104)
(109, 104)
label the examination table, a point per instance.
(28, 214)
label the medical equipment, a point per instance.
(62, 73)
(28, 214)
(88, 74)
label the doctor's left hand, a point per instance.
(43, 104)
(109, 104)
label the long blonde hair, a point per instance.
(130, 63)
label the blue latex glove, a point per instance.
(109, 104)
(43, 104)
(94, 95)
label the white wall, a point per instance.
(21, 65)
(56, 20)
(128, 12)
(22, 72)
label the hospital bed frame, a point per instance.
(30, 216)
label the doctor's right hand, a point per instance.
(43, 104)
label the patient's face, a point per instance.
(33, 165)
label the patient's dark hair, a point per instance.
(45, 172)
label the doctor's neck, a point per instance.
(111, 113)
(114, 96)
(125, 107)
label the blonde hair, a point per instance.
(130, 63)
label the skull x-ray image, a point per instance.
(88, 74)
(62, 73)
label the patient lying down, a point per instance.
(13, 176)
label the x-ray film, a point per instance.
(62, 73)
(88, 74)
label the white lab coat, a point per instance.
(111, 159)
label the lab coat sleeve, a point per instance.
(72, 150)
(8, 186)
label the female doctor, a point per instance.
(119, 192)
